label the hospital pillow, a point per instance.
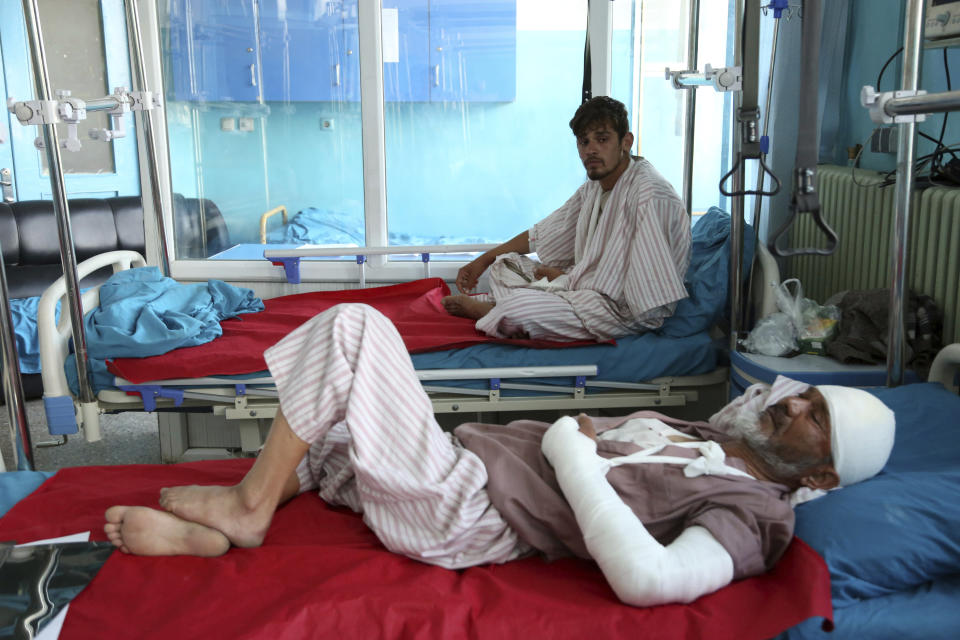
(708, 275)
(898, 529)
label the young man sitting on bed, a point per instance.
(617, 250)
(668, 512)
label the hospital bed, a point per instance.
(322, 574)
(889, 544)
(676, 366)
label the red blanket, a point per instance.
(321, 573)
(414, 307)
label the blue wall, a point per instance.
(876, 32)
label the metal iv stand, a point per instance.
(741, 80)
(47, 113)
(905, 107)
(51, 143)
(13, 385)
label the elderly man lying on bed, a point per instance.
(613, 256)
(668, 512)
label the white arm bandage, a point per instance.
(641, 571)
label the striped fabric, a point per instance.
(348, 388)
(631, 271)
(540, 315)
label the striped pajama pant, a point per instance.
(523, 311)
(348, 388)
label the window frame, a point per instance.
(373, 145)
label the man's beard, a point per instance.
(745, 425)
(599, 173)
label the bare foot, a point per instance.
(466, 306)
(149, 532)
(220, 508)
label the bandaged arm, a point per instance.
(641, 571)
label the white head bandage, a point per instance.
(758, 397)
(861, 432)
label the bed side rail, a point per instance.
(290, 258)
(946, 367)
(54, 339)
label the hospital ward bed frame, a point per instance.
(226, 417)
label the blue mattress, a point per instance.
(632, 359)
(681, 347)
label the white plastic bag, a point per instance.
(774, 335)
(800, 325)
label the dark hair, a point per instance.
(598, 111)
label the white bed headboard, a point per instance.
(945, 366)
(53, 336)
(766, 279)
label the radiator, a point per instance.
(862, 215)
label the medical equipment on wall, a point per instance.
(943, 19)
(742, 80)
(906, 107)
(6, 185)
(751, 146)
(722, 79)
(70, 111)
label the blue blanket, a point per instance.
(23, 315)
(143, 313)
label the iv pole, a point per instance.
(68, 258)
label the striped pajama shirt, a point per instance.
(348, 388)
(625, 266)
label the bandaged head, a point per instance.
(861, 426)
(861, 432)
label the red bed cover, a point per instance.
(322, 574)
(414, 307)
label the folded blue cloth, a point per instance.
(143, 313)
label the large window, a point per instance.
(478, 145)
(263, 112)
(270, 106)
